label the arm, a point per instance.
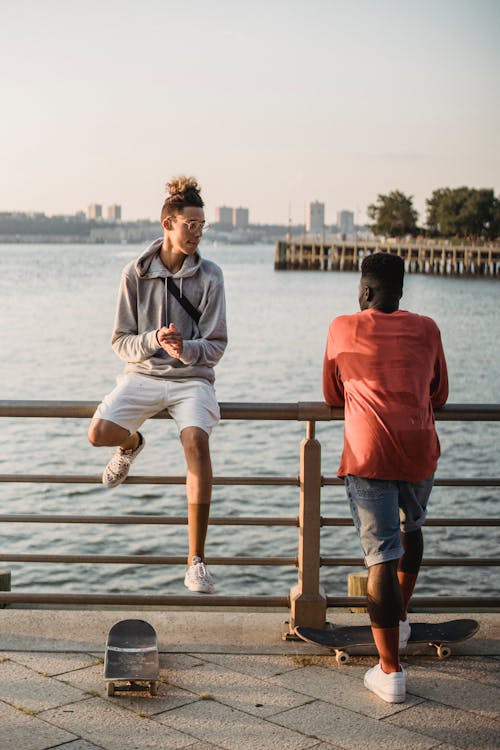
(208, 349)
(126, 341)
(333, 388)
(439, 384)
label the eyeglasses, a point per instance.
(196, 226)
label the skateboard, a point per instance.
(131, 660)
(439, 635)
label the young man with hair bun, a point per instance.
(170, 329)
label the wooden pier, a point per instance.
(429, 256)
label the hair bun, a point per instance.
(179, 185)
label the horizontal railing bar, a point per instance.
(162, 520)
(441, 602)
(97, 479)
(427, 561)
(219, 520)
(347, 521)
(298, 411)
(144, 559)
(264, 561)
(438, 481)
(223, 481)
(184, 600)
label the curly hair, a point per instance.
(182, 192)
(387, 269)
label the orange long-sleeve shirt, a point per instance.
(389, 371)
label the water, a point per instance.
(57, 313)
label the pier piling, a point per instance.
(433, 257)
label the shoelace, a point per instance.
(119, 461)
(200, 571)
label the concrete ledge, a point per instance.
(204, 632)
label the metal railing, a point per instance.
(306, 600)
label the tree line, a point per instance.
(465, 213)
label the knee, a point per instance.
(94, 435)
(195, 443)
(100, 433)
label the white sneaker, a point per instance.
(118, 466)
(198, 577)
(404, 632)
(390, 687)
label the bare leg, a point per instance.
(409, 565)
(384, 608)
(195, 442)
(102, 432)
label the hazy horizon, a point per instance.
(270, 105)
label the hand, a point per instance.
(170, 340)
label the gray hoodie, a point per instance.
(144, 305)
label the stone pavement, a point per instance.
(229, 681)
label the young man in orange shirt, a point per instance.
(387, 368)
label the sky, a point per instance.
(271, 104)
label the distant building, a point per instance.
(345, 222)
(240, 218)
(114, 213)
(315, 217)
(94, 211)
(224, 216)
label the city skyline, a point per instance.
(271, 106)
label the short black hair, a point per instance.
(387, 269)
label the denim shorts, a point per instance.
(382, 509)
(190, 402)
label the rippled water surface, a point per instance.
(57, 312)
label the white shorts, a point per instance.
(191, 402)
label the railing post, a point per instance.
(307, 599)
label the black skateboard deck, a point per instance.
(341, 639)
(131, 661)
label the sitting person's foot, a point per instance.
(118, 466)
(198, 577)
(390, 687)
(404, 632)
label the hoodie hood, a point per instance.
(149, 266)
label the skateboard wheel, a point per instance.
(342, 657)
(443, 652)
(153, 688)
(111, 689)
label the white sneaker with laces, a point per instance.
(404, 632)
(118, 466)
(390, 687)
(198, 577)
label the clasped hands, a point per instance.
(170, 339)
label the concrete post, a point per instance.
(307, 600)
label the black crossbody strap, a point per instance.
(186, 304)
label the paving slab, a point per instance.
(78, 745)
(115, 728)
(91, 681)
(51, 664)
(21, 731)
(235, 689)
(256, 665)
(348, 729)
(26, 689)
(453, 690)
(228, 728)
(340, 688)
(477, 668)
(455, 728)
